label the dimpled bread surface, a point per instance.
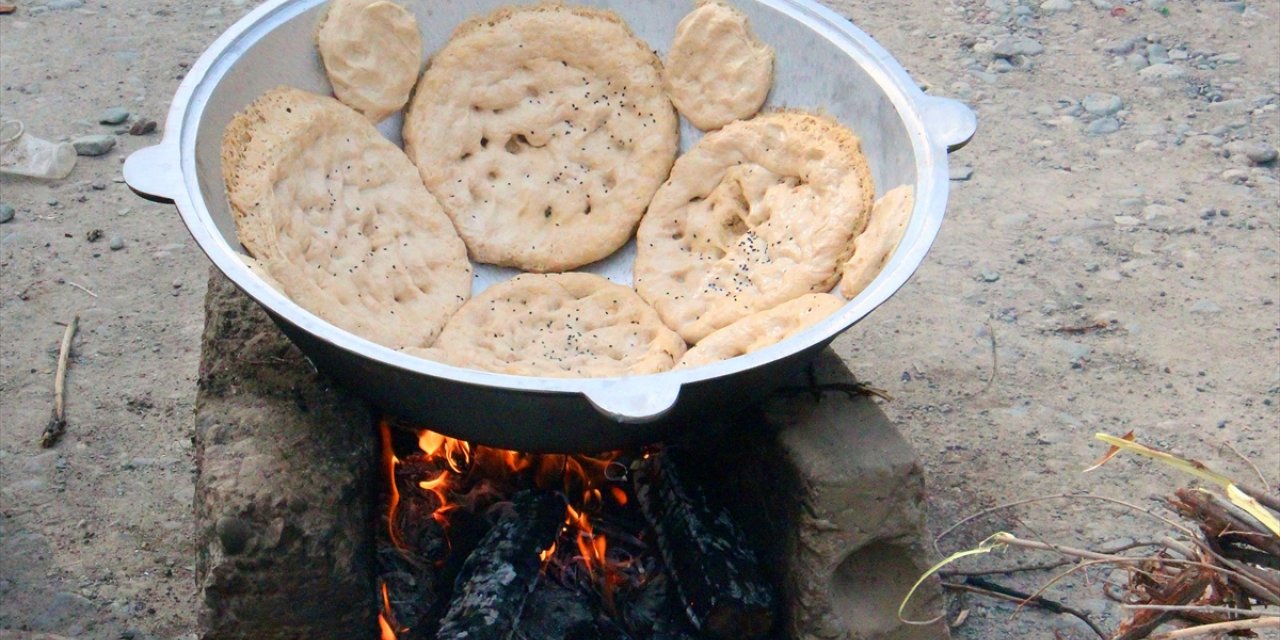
(873, 247)
(757, 213)
(544, 132)
(372, 52)
(762, 329)
(717, 70)
(338, 219)
(558, 325)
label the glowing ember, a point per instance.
(447, 490)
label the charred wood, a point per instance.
(718, 580)
(498, 576)
(552, 612)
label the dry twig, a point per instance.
(1269, 622)
(1266, 487)
(58, 422)
(81, 287)
(1001, 592)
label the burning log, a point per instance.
(718, 580)
(499, 575)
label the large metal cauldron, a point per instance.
(823, 62)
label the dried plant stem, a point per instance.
(1049, 565)
(1195, 608)
(1266, 487)
(1003, 593)
(1269, 622)
(1247, 579)
(58, 421)
(1060, 496)
(1267, 498)
(82, 288)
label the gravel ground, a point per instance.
(1109, 262)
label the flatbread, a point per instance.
(873, 247)
(717, 70)
(544, 132)
(760, 330)
(337, 217)
(758, 213)
(372, 51)
(559, 325)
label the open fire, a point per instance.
(487, 543)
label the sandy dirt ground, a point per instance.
(1109, 262)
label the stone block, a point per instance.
(285, 468)
(834, 497)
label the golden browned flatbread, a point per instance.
(717, 70)
(558, 325)
(762, 329)
(758, 213)
(873, 247)
(337, 218)
(544, 132)
(372, 51)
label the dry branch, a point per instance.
(58, 421)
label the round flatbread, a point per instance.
(337, 218)
(874, 246)
(559, 325)
(544, 132)
(758, 213)
(717, 70)
(762, 329)
(372, 51)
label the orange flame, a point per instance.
(389, 463)
(469, 476)
(387, 632)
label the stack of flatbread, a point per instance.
(544, 138)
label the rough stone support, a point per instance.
(835, 498)
(286, 465)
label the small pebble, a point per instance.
(1102, 104)
(116, 243)
(6, 212)
(142, 127)
(114, 115)
(961, 173)
(1235, 176)
(177, 284)
(1015, 46)
(1103, 126)
(989, 276)
(1056, 6)
(1157, 54)
(1261, 153)
(1205, 306)
(93, 235)
(98, 185)
(63, 5)
(233, 533)
(94, 145)
(1163, 71)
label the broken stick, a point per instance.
(58, 422)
